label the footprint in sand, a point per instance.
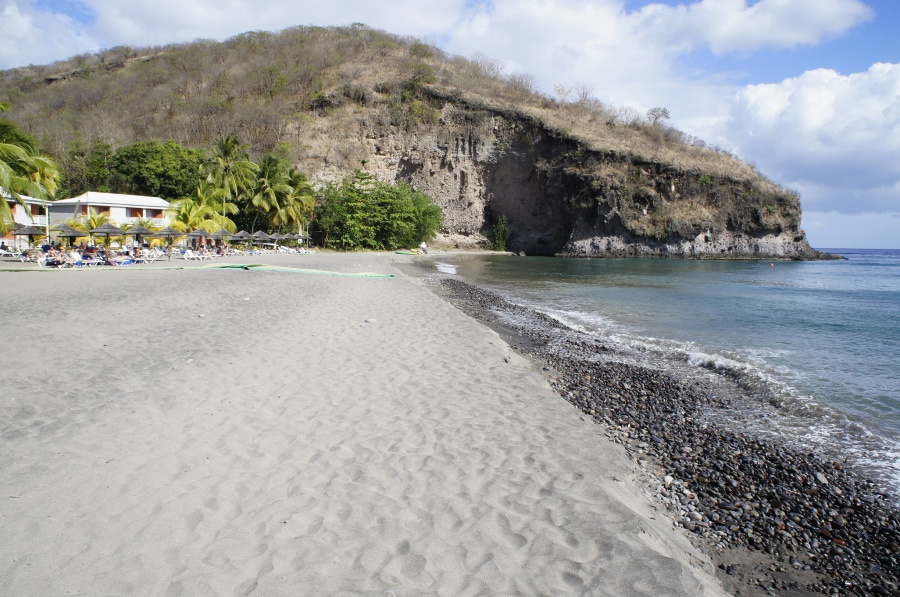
(515, 539)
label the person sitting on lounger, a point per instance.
(55, 258)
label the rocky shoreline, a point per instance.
(773, 518)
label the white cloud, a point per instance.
(741, 26)
(31, 36)
(149, 22)
(834, 137)
(38, 36)
(837, 136)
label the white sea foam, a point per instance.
(800, 420)
(445, 268)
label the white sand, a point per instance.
(201, 432)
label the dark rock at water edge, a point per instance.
(800, 523)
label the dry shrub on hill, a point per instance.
(315, 90)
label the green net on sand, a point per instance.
(293, 270)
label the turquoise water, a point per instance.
(823, 336)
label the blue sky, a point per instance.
(807, 90)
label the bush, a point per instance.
(363, 213)
(501, 234)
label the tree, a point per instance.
(23, 171)
(190, 214)
(230, 169)
(86, 169)
(165, 170)
(210, 196)
(304, 195)
(654, 115)
(501, 234)
(89, 221)
(363, 213)
(269, 190)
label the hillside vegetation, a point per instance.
(330, 101)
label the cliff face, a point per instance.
(571, 178)
(560, 197)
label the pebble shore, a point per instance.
(774, 519)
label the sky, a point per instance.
(807, 90)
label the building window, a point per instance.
(135, 212)
(35, 209)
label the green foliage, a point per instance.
(277, 196)
(421, 51)
(192, 214)
(165, 170)
(706, 179)
(23, 170)
(422, 112)
(363, 213)
(501, 234)
(418, 74)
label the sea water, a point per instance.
(823, 337)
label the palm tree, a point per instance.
(270, 189)
(295, 207)
(89, 221)
(230, 169)
(148, 223)
(190, 214)
(23, 170)
(210, 195)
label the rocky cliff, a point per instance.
(562, 197)
(571, 178)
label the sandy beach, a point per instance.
(231, 432)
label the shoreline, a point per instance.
(230, 431)
(801, 526)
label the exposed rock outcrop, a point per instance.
(562, 197)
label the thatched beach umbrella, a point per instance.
(169, 234)
(28, 231)
(137, 231)
(108, 230)
(198, 233)
(66, 231)
(221, 234)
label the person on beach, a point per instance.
(423, 247)
(55, 258)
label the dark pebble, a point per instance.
(758, 493)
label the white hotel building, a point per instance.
(121, 209)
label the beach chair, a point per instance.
(69, 262)
(91, 261)
(146, 258)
